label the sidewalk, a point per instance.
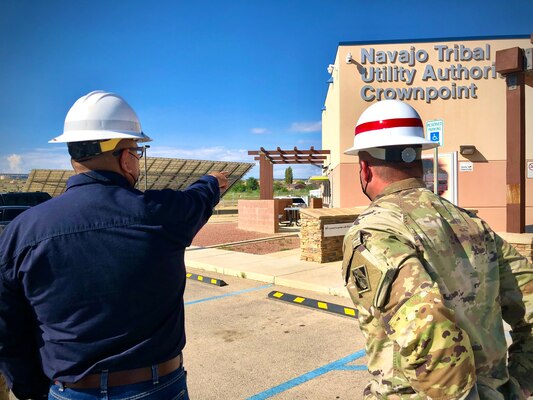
(283, 268)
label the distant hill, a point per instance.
(4, 176)
(12, 182)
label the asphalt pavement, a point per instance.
(244, 344)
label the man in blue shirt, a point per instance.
(92, 281)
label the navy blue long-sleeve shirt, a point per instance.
(94, 279)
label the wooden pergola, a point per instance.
(511, 64)
(267, 159)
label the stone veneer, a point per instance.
(317, 248)
(313, 245)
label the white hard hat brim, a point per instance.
(100, 115)
(90, 135)
(407, 141)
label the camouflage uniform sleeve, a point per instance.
(516, 296)
(434, 354)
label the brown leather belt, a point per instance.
(126, 377)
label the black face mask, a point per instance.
(363, 188)
(135, 181)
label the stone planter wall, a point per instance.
(313, 245)
(317, 248)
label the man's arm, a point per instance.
(435, 355)
(19, 355)
(516, 294)
(222, 178)
(185, 212)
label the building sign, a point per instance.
(405, 66)
(530, 169)
(337, 229)
(466, 166)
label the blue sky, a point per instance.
(208, 79)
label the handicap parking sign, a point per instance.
(435, 131)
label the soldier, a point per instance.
(432, 283)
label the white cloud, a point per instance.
(259, 131)
(306, 127)
(215, 153)
(58, 157)
(308, 142)
(14, 161)
(40, 158)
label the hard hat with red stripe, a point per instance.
(390, 123)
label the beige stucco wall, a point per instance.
(331, 117)
(474, 121)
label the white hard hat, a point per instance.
(101, 115)
(389, 123)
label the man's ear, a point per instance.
(125, 161)
(366, 172)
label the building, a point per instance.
(454, 86)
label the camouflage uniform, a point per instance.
(432, 283)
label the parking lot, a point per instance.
(241, 344)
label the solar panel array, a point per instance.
(162, 173)
(51, 181)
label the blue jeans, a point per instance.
(172, 386)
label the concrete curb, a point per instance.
(265, 239)
(283, 268)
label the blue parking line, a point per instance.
(335, 365)
(352, 368)
(228, 294)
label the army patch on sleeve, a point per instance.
(361, 280)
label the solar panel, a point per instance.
(51, 181)
(162, 173)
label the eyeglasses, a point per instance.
(137, 152)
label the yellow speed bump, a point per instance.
(312, 303)
(206, 279)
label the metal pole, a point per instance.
(436, 171)
(146, 147)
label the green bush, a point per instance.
(238, 187)
(252, 184)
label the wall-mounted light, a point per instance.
(349, 58)
(146, 147)
(467, 150)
